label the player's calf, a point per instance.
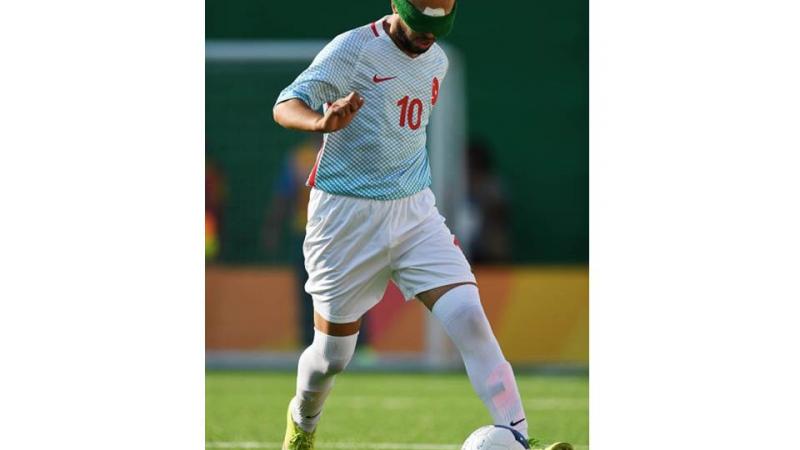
(326, 357)
(460, 312)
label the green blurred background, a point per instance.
(527, 73)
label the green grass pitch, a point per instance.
(368, 411)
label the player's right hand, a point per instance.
(340, 113)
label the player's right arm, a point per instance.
(327, 81)
(297, 115)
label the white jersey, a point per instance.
(381, 154)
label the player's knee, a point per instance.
(461, 313)
(461, 304)
(337, 366)
(474, 320)
(335, 352)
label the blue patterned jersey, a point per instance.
(381, 154)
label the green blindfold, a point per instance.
(421, 23)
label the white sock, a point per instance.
(318, 365)
(460, 312)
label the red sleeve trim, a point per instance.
(374, 29)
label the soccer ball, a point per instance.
(495, 437)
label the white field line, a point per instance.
(411, 402)
(347, 445)
(339, 445)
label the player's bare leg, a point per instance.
(458, 308)
(336, 329)
(327, 356)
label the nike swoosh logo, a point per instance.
(513, 424)
(378, 79)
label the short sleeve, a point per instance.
(328, 77)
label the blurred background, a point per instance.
(509, 154)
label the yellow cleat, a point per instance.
(296, 438)
(555, 446)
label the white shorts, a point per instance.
(353, 246)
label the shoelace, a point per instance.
(302, 441)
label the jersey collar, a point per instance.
(377, 27)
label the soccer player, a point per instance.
(371, 214)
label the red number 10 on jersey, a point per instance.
(410, 112)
